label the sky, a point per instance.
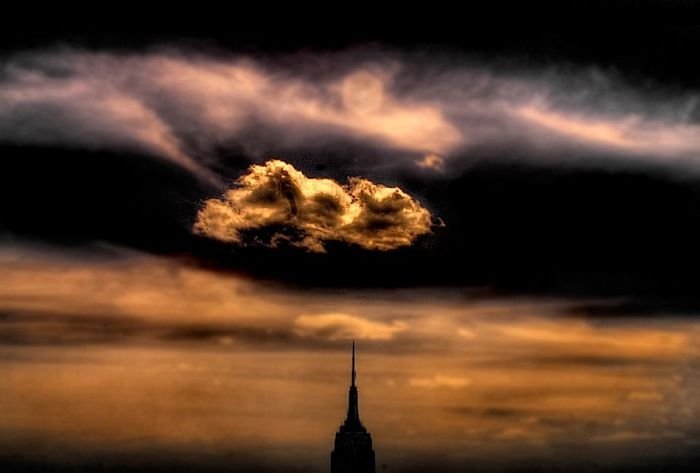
(198, 217)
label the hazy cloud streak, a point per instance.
(338, 326)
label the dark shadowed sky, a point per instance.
(199, 212)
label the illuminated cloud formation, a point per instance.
(309, 211)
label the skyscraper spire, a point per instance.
(353, 364)
(353, 444)
(353, 419)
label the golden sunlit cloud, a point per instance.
(345, 327)
(372, 216)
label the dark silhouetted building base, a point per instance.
(353, 444)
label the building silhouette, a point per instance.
(353, 444)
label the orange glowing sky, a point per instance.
(122, 354)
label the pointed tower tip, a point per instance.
(353, 363)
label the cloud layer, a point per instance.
(180, 107)
(310, 211)
(184, 107)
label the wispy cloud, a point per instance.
(440, 381)
(338, 326)
(630, 133)
(431, 161)
(181, 106)
(184, 107)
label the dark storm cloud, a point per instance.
(509, 228)
(675, 306)
(88, 198)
